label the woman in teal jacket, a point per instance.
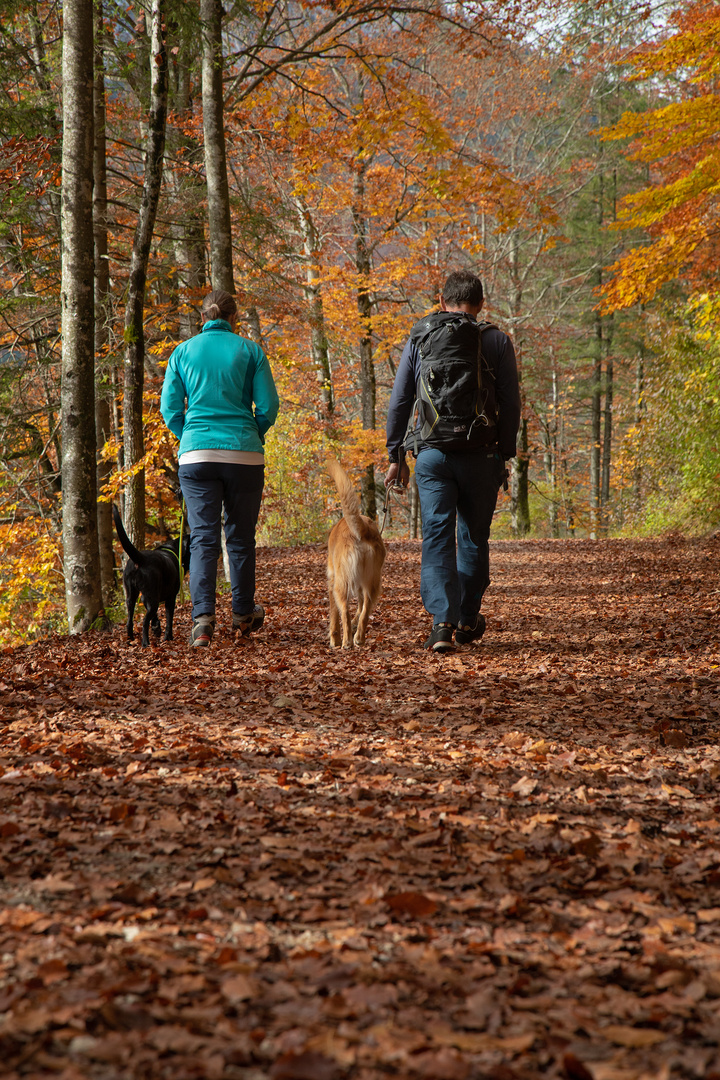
(219, 398)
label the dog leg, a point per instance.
(343, 602)
(169, 616)
(334, 626)
(363, 614)
(368, 602)
(130, 601)
(151, 616)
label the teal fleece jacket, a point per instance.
(211, 383)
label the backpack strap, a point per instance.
(485, 366)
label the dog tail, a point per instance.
(348, 498)
(125, 540)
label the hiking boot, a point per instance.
(245, 624)
(441, 638)
(465, 634)
(202, 630)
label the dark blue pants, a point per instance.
(456, 490)
(206, 486)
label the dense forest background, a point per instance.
(330, 163)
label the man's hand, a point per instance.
(398, 473)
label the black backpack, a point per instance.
(455, 395)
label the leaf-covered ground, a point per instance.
(267, 860)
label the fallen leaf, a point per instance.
(707, 915)
(238, 988)
(308, 1065)
(633, 1038)
(410, 903)
(575, 1069)
(525, 786)
(203, 883)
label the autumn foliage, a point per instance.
(679, 141)
(568, 155)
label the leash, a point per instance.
(392, 488)
(181, 592)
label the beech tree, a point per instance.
(79, 492)
(103, 418)
(218, 196)
(134, 373)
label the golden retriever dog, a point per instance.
(356, 554)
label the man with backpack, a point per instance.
(456, 406)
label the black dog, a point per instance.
(155, 577)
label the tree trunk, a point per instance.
(551, 452)
(103, 421)
(188, 230)
(596, 523)
(609, 390)
(607, 441)
(313, 294)
(43, 78)
(595, 429)
(79, 491)
(134, 311)
(365, 352)
(190, 258)
(568, 502)
(253, 326)
(519, 486)
(639, 417)
(549, 462)
(218, 195)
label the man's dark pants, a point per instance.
(456, 490)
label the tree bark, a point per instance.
(595, 429)
(43, 79)
(79, 491)
(221, 263)
(607, 438)
(189, 228)
(519, 486)
(103, 420)
(554, 453)
(313, 294)
(549, 449)
(253, 326)
(365, 351)
(134, 371)
(639, 417)
(596, 523)
(609, 388)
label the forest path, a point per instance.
(272, 861)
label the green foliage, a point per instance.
(675, 450)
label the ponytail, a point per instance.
(219, 305)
